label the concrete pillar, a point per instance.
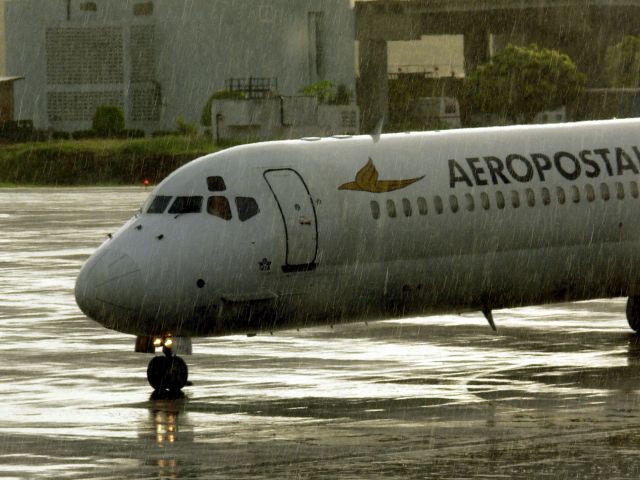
(476, 48)
(373, 92)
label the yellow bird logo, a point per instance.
(367, 181)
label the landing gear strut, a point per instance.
(633, 313)
(167, 372)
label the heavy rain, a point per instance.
(294, 279)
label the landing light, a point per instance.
(168, 342)
(157, 342)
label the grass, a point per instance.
(98, 161)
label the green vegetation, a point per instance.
(99, 161)
(326, 92)
(623, 62)
(108, 121)
(523, 81)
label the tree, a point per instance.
(108, 121)
(521, 81)
(623, 62)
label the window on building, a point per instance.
(183, 205)
(247, 208)
(375, 209)
(484, 200)
(500, 200)
(591, 194)
(143, 8)
(89, 7)
(422, 206)
(575, 194)
(391, 208)
(546, 196)
(604, 192)
(437, 204)
(515, 199)
(562, 198)
(453, 203)
(619, 191)
(219, 207)
(406, 207)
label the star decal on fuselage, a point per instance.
(367, 181)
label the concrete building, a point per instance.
(162, 59)
(582, 28)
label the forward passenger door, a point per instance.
(299, 218)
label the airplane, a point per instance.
(290, 234)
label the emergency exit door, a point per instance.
(299, 217)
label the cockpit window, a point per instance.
(159, 204)
(216, 184)
(247, 208)
(219, 206)
(186, 205)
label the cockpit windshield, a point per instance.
(186, 205)
(158, 204)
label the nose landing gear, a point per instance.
(168, 372)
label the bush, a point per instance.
(108, 121)
(186, 128)
(322, 90)
(523, 81)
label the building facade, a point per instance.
(162, 59)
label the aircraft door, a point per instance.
(299, 217)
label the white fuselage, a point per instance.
(484, 218)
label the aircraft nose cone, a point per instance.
(109, 288)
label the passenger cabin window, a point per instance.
(515, 199)
(422, 205)
(247, 208)
(437, 203)
(546, 196)
(591, 194)
(561, 195)
(186, 205)
(391, 208)
(159, 204)
(634, 189)
(500, 200)
(219, 207)
(216, 184)
(604, 191)
(406, 207)
(469, 203)
(575, 194)
(619, 191)
(484, 200)
(453, 203)
(531, 197)
(375, 209)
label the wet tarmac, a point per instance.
(555, 394)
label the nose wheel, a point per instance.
(167, 372)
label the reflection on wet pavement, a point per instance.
(553, 395)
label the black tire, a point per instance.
(167, 373)
(633, 313)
